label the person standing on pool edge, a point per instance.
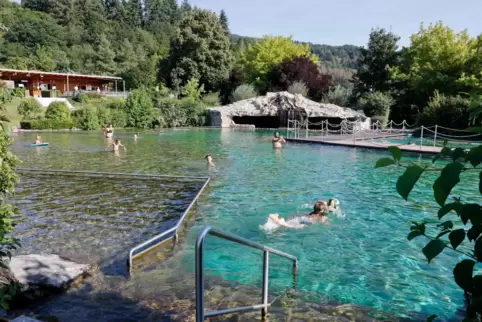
(278, 140)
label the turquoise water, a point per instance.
(363, 258)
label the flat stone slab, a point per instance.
(51, 271)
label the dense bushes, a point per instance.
(298, 87)
(179, 113)
(47, 124)
(139, 109)
(82, 98)
(243, 92)
(448, 111)
(86, 118)
(29, 108)
(376, 105)
(58, 111)
(338, 95)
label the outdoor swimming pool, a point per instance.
(364, 258)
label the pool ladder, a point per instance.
(200, 314)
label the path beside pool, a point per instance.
(366, 144)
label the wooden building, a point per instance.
(35, 82)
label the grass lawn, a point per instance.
(11, 111)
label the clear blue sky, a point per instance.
(338, 22)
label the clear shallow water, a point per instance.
(426, 142)
(363, 258)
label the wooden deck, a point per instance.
(367, 144)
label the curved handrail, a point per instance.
(200, 314)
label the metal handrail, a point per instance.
(200, 314)
(174, 229)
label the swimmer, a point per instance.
(38, 140)
(278, 140)
(209, 159)
(116, 144)
(109, 131)
(318, 214)
(333, 204)
(135, 137)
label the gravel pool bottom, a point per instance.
(363, 258)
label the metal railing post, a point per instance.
(306, 135)
(435, 136)
(391, 127)
(421, 138)
(264, 310)
(295, 273)
(199, 260)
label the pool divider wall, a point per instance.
(154, 242)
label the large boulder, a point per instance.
(273, 103)
(49, 272)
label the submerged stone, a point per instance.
(46, 271)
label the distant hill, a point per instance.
(345, 57)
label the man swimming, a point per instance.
(209, 160)
(278, 140)
(109, 131)
(320, 209)
(116, 144)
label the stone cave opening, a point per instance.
(258, 121)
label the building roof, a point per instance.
(37, 72)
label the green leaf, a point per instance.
(463, 274)
(474, 156)
(443, 153)
(458, 153)
(456, 237)
(449, 177)
(396, 152)
(384, 162)
(470, 210)
(457, 206)
(413, 234)
(478, 249)
(408, 179)
(446, 225)
(445, 142)
(433, 248)
(432, 317)
(445, 232)
(474, 232)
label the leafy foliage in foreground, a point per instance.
(460, 219)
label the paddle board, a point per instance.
(41, 144)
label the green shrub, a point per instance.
(338, 95)
(19, 92)
(47, 124)
(243, 92)
(58, 111)
(180, 113)
(86, 118)
(118, 118)
(51, 93)
(104, 115)
(377, 105)
(94, 96)
(81, 98)
(29, 108)
(448, 111)
(192, 89)
(139, 109)
(117, 103)
(298, 87)
(211, 100)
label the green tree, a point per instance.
(139, 109)
(185, 7)
(193, 90)
(435, 60)
(135, 13)
(223, 20)
(44, 59)
(29, 108)
(373, 72)
(58, 111)
(459, 219)
(105, 57)
(201, 50)
(376, 105)
(86, 118)
(113, 9)
(260, 58)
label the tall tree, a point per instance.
(113, 9)
(223, 20)
(185, 7)
(381, 53)
(105, 57)
(37, 5)
(259, 59)
(135, 13)
(200, 50)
